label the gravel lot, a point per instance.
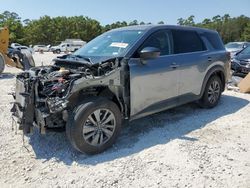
(182, 147)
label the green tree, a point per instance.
(13, 22)
(246, 34)
(160, 22)
(230, 29)
(114, 25)
(134, 22)
(49, 30)
(180, 21)
(189, 21)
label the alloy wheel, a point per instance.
(213, 91)
(99, 127)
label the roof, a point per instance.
(161, 26)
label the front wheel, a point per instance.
(212, 93)
(94, 125)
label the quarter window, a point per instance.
(187, 41)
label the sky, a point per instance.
(110, 11)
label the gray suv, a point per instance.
(123, 74)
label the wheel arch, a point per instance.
(215, 70)
(94, 92)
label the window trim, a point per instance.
(159, 30)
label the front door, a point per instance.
(156, 82)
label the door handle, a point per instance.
(174, 65)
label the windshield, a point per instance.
(234, 45)
(114, 43)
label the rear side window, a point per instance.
(187, 41)
(215, 40)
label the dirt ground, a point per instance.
(182, 147)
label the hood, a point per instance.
(243, 57)
(95, 66)
(90, 60)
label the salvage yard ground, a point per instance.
(182, 147)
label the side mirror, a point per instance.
(149, 53)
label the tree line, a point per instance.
(52, 30)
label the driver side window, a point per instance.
(160, 40)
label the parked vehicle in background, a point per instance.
(241, 61)
(13, 56)
(69, 45)
(234, 47)
(21, 47)
(38, 48)
(15, 45)
(123, 74)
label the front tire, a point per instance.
(94, 125)
(212, 93)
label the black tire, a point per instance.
(58, 51)
(79, 121)
(212, 93)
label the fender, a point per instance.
(217, 69)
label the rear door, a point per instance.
(192, 58)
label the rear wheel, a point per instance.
(2, 63)
(94, 125)
(212, 93)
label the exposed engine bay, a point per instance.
(45, 95)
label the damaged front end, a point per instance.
(45, 95)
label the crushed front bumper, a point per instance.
(30, 110)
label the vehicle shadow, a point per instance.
(6, 76)
(140, 134)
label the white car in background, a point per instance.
(21, 47)
(15, 45)
(44, 48)
(25, 48)
(234, 47)
(69, 45)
